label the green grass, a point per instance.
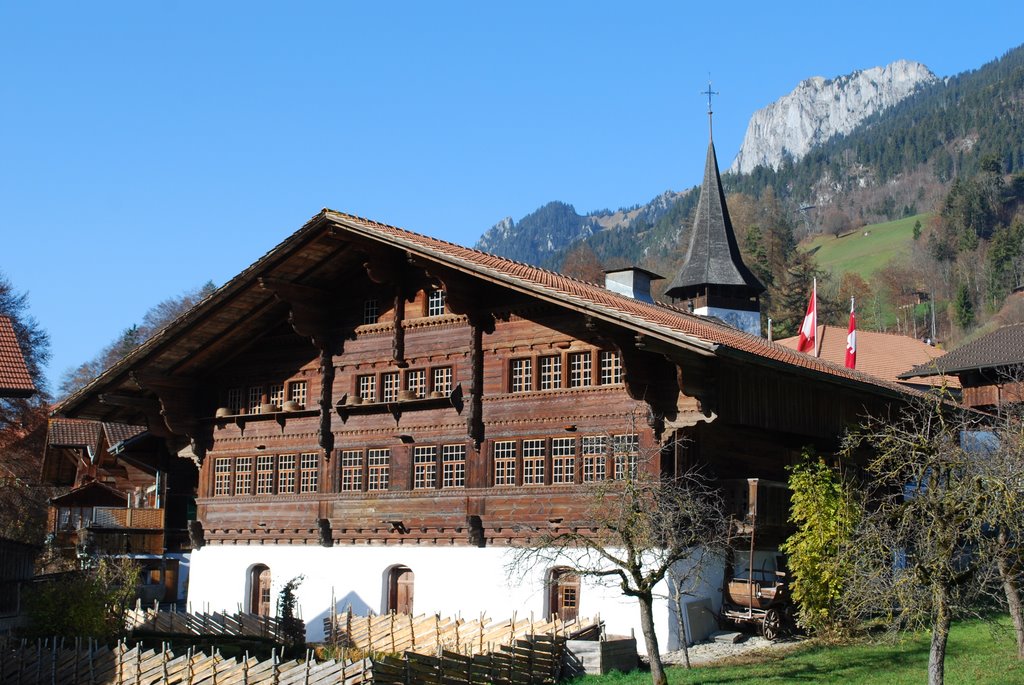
(864, 254)
(978, 653)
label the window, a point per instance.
(626, 450)
(255, 399)
(265, 474)
(443, 380)
(286, 474)
(550, 372)
(222, 476)
(595, 449)
(297, 392)
(505, 462)
(435, 303)
(453, 461)
(234, 403)
(563, 460)
(277, 394)
(416, 382)
(243, 476)
(351, 470)
(371, 311)
(533, 462)
(379, 461)
(611, 368)
(424, 462)
(390, 382)
(309, 472)
(522, 375)
(580, 370)
(368, 388)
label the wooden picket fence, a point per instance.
(215, 623)
(54, 663)
(432, 634)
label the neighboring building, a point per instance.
(884, 355)
(15, 380)
(990, 369)
(129, 497)
(388, 415)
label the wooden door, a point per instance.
(259, 600)
(400, 590)
(564, 598)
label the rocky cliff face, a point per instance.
(820, 108)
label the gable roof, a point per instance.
(15, 380)
(885, 355)
(713, 256)
(234, 311)
(1001, 348)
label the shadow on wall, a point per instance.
(315, 627)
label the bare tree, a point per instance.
(639, 530)
(917, 549)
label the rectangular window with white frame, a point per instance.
(371, 311)
(453, 461)
(351, 470)
(255, 399)
(368, 388)
(505, 462)
(581, 371)
(286, 474)
(435, 303)
(222, 476)
(551, 372)
(442, 381)
(276, 394)
(416, 382)
(378, 468)
(297, 392)
(533, 461)
(309, 472)
(626, 450)
(563, 460)
(390, 383)
(611, 368)
(265, 474)
(243, 476)
(522, 375)
(594, 452)
(424, 464)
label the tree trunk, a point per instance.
(940, 634)
(651, 639)
(1011, 586)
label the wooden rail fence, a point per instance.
(430, 634)
(202, 623)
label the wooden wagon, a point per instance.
(764, 603)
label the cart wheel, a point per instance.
(771, 626)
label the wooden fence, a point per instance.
(166, 623)
(431, 634)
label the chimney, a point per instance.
(632, 282)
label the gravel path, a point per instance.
(709, 652)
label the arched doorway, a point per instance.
(259, 590)
(400, 589)
(563, 594)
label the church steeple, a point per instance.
(713, 277)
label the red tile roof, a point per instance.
(15, 380)
(886, 355)
(74, 433)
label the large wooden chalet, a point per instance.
(387, 414)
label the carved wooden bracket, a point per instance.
(309, 307)
(149, 408)
(480, 323)
(178, 402)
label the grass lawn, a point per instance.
(978, 654)
(861, 253)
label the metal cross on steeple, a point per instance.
(709, 93)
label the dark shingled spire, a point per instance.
(713, 265)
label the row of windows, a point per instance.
(412, 380)
(266, 474)
(545, 372)
(435, 306)
(531, 454)
(256, 395)
(436, 466)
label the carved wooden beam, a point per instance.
(178, 404)
(480, 323)
(398, 340)
(326, 435)
(309, 307)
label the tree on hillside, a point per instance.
(153, 321)
(655, 524)
(35, 347)
(582, 262)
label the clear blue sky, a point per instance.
(147, 147)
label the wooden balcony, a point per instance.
(110, 530)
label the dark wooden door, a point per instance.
(400, 590)
(259, 601)
(565, 594)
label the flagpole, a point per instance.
(817, 335)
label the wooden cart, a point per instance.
(763, 603)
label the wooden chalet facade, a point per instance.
(388, 414)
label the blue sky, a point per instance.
(147, 147)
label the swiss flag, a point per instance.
(809, 328)
(851, 340)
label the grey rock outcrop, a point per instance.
(820, 108)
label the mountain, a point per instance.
(820, 108)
